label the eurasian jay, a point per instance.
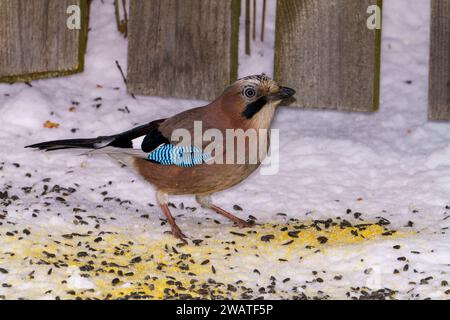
(249, 103)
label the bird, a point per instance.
(153, 151)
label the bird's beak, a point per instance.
(283, 93)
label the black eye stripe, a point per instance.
(253, 108)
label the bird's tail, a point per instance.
(93, 143)
(121, 140)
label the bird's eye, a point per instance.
(249, 92)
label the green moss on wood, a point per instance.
(377, 69)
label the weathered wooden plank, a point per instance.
(439, 88)
(182, 48)
(35, 41)
(325, 50)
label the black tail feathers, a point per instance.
(121, 140)
(94, 143)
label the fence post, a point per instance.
(325, 49)
(35, 41)
(439, 84)
(182, 48)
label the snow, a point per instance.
(261, 55)
(78, 282)
(392, 164)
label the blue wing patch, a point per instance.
(182, 156)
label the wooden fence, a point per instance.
(35, 41)
(325, 50)
(189, 49)
(439, 88)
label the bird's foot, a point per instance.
(243, 224)
(177, 233)
(238, 221)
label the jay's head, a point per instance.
(251, 97)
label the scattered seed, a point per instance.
(293, 234)
(136, 260)
(288, 243)
(267, 238)
(238, 234)
(322, 240)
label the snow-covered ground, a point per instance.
(73, 226)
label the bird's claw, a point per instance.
(243, 224)
(176, 232)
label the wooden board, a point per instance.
(35, 41)
(326, 52)
(439, 88)
(182, 48)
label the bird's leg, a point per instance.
(163, 199)
(205, 202)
